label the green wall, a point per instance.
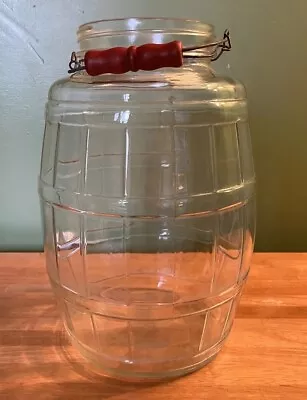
(269, 56)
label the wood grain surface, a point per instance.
(265, 356)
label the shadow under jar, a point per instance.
(147, 189)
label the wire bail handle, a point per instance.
(74, 64)
(161, 55)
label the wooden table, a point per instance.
(264, 358)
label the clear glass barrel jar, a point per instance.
(147, 189)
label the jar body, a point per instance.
(147, 188)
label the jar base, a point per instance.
(142, 372)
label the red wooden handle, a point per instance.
(119, 60)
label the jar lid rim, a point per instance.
(105, 26)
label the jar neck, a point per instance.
(107, 34)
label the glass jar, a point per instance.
(147, 189)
